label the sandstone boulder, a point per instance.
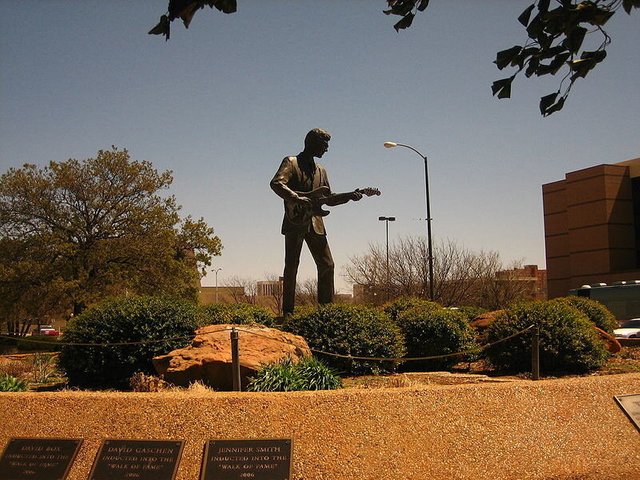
(208, 358)
(482, 321)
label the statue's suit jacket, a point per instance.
(292, 177)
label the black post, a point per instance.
(235, 361)
(387, 220)
(429, 238)
(535, 353)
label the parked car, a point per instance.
(46, 330)
(628, 329)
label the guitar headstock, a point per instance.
(369, 191)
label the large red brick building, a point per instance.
(592, 227)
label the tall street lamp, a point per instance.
(216, 272)
(387, 220)
(426, 183)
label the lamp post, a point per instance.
(387, 220)
(426, 183)
(216, 272)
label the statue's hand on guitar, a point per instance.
(310, 203)
(356, 196)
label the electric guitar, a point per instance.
(299, 213)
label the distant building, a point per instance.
(269, 288)
(208, 295)
(532, 281)
(592, 226)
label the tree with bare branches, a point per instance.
(461, 276)
(245, 290)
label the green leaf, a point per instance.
(590, 13)
(225, 6)
(162, 28)
(543, 5)
(505, 57)
(536, 28)
(551, 52)
(547, 101)
(532, 67)
(597, 56)
(629, 4)
(553, 67)
(526, 15)
(405, 22)
(502, 88)
(556, 107)
(400, 7)
(574, 39)
(423, 5)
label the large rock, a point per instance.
(208, 358)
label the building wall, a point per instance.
(207, 295)
(532, 280)
(590, 227)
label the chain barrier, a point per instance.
(402, 359)
(240, 329)
(111, 344)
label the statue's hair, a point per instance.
(315, 135)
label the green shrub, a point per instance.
(594, 310)
(428, 332)
(349, 330)
(470, 312)
(12, 384)
(235, 313)
(400, 304)
(308, 374)
(568, 341)
(164, 324)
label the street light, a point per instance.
(387, 220)
(216, 272)
(426, 183)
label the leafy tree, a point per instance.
(75, 232)
(555, 38)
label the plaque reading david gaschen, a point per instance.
(137, 460)
(247, 459)
(38, 458)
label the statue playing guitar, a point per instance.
(301, 213)
(304, 186)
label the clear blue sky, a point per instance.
(222, 103)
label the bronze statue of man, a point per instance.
(300, 181)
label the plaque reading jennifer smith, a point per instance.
(247, 459)
(38, 458)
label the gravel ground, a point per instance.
(560, 429)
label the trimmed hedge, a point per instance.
(428, 332)
(400, 304)
(470, 312)
(126, 320)
(594, 310)
(355, 330)
(235, 313)
(568, 341)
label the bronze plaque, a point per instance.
(38, 458)
(247, 460)
(630, 404)
(137, 460)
